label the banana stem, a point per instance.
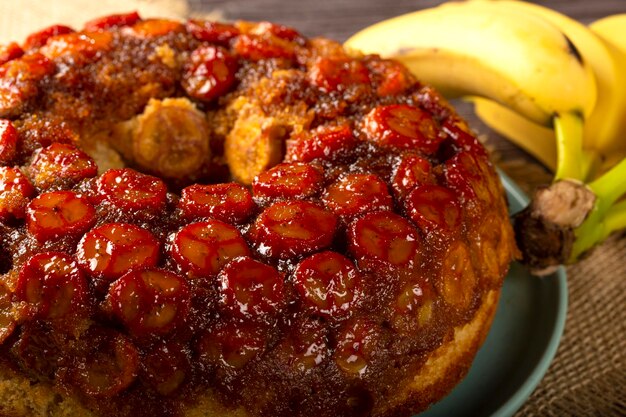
(591, 162)
(606, 216)
(571, 162)
(588, 234)
(610, 186)
(597, 227)
(615, 218)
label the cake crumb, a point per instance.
(166, 55)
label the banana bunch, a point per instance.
(547, 82)
(607, 122)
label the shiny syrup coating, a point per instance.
(373, 222)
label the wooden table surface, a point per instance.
(588, 375)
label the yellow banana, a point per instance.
(612, 29)
(535, 139)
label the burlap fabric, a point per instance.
(588, 375)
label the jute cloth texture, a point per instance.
(588, 375)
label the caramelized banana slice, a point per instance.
(170, 139)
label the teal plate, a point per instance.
(521, 343)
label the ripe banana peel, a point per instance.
(556, 80)
(535, 139)
(612, 29)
